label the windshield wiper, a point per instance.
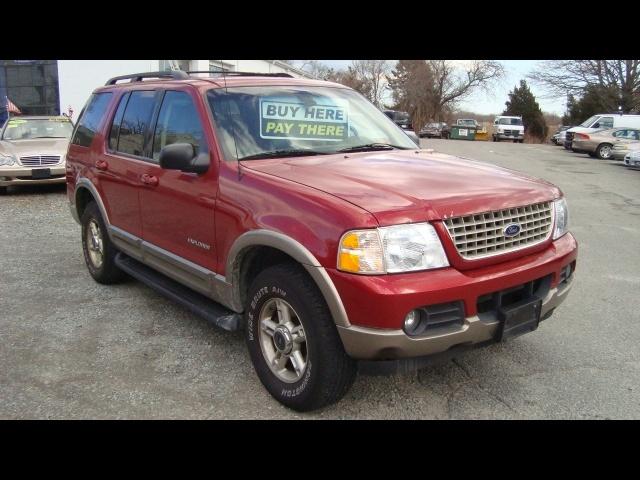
(372, 147)
(45, 137)
(282, 153)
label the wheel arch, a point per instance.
(84, 193)
(258, 249)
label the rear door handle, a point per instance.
(102, 164)
(149, 180)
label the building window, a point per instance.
(32, 85)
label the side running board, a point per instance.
(199, 304)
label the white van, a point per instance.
(602, 121)
(507, 128)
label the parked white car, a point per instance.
(632, 159)
(602, 121)
(508, 128)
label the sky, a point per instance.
(493, 102)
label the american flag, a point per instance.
(11, 107)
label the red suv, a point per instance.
(297, 210)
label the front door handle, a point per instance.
(149, 180)
(102, 164)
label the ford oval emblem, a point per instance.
(511, 230)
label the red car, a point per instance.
(297, 210)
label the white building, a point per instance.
(78, 78)
(53, 87)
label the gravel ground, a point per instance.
(70, 348)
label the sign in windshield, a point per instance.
(297, 121)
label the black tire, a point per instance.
(329, 371)
(600, 151)
(495, 139)
(107, 273)
(3, 190)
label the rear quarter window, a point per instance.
(90, 119)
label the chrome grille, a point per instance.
(482, 234)
(39, 160)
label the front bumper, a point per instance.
(510, 136)
(632, 163)
(23, 175)
(376, 306)
(369, 343)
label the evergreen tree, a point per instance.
(596, 99)
(523, 103)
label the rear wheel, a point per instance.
(604, 151)
(99, 252)
(293, 342)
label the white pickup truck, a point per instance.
(508, 128)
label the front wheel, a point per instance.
(293, 342)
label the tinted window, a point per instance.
(117, 119)
(90, 119)
(178, 122)
(135, 122)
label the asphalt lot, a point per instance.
(70, 348)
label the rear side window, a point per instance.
(178, 122)
(117, 120)
(90, 119)
(135, 122)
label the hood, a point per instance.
(411, 186)
(581, 130)
(36, 146)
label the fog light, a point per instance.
(411, 321)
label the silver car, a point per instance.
(33, 150)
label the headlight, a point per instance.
(562, 218)
(401, 248)
(6, 160)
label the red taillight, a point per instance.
(583, 136)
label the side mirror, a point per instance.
(182, 156)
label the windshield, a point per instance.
(588, 122)
(470, 123)
(281, 121)
(26, 129)
(509, 121)
(432, 125)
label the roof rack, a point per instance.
(138, 77)
(242, 74)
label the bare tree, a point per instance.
(452, 83)
(411, 84)
(313, 67)
(374, 74)
(351, 79)
(562, 77)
